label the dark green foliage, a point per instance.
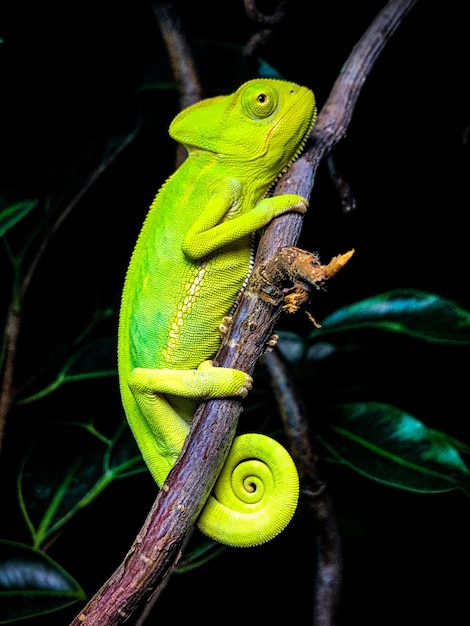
(32, 584)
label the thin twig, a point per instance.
(179, 52)
(157, 548)
(345, 193)
(264, 35)
(7, 389)
(261, 18)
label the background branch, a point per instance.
(179, 53)
(314, 493)
(157, 548)
(181, 60)
(269, 22)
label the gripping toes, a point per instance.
(246, 386)
(302, 205)
(240, 382)
(236, 382)
(226, 381)
(296, 203)
(225, 325)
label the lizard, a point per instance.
(192, 259)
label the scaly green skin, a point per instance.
(190, 263)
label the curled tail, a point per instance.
(255, 495)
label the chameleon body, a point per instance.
(191, 261)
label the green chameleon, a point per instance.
(191, 261)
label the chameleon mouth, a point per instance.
(307, 116)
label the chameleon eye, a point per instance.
(259, 100)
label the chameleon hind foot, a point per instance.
(244, 380)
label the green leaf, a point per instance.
(418, 314)
(14, 213)
(32, 584)
(393, 447)
(68, 468)
(94, 360)
(123, 458)
(57, 476)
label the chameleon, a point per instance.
(191, 262)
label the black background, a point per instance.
(70, 75)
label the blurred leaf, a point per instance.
(388, 445)
(14, 213)
(94, 360)
(291, 345)
(422, 315)
(67, 469)
(32, 584)
(64, 465)
(123, 457)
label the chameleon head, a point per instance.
(262, 116)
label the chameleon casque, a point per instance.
(191, 261)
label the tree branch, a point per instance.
(157, 548)
(179, 53)
(262, 36)
(181, 60)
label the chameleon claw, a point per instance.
(247, 386)
(302, 206)
(206, 365)
(225, 325)
(272, 342)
